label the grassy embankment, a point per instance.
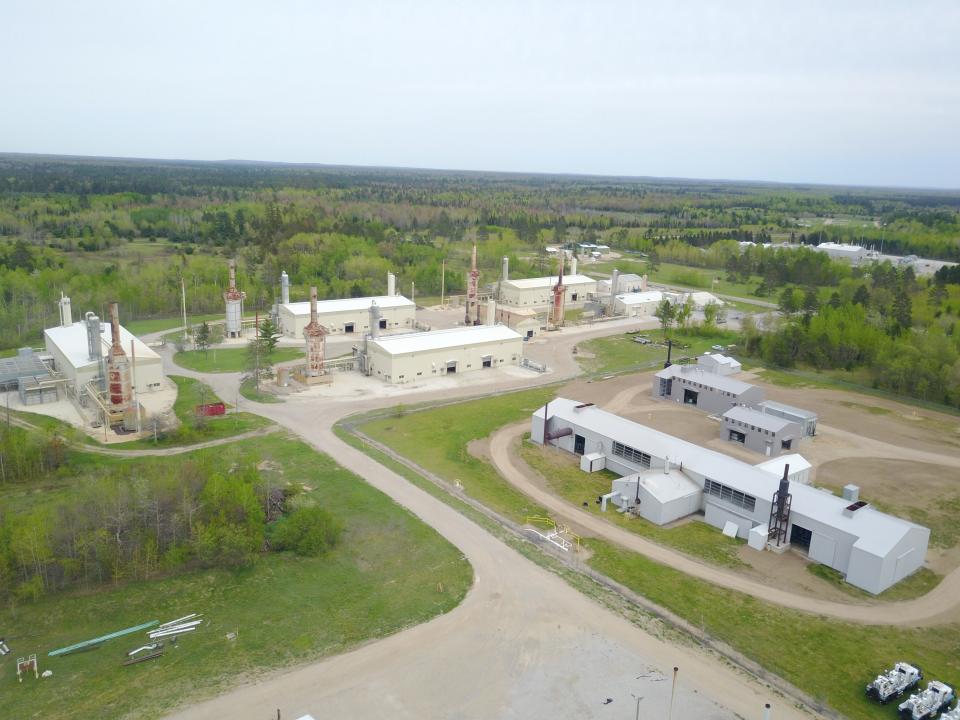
(389, 572)
(228, 360)
(619, 353)
(830, 660)
(248, 389)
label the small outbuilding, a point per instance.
(719, 364)
(766, 434)
(799, 471)
(708, 391)
(348, 315)
(419, 356)
(660, 496)
(805, 418)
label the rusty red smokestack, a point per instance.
(116, 345)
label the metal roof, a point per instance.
(695, 373)
(72, 342)
(877, 532)
(665, 486)
(549, 282)
(638, 298)
(783, 407)
(774, 466)
(348, 304)
(743, 414)
(22, 365)
(440, 339)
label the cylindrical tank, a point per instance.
(233, 317)
(284, 288)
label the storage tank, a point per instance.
(233, 299)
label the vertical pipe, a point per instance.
(313, 305)
(505, 269)
(766, 711)
(673, 691)
(443, 279)
(573, 265)
(284, 288)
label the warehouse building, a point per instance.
(805, 418)
(851, 253)
(765, 434)
(348, 315)
(871, 549)
(538, 292)
(79, 363)
(637, 304)
(705, 390)
(418, 356)
(702, 299)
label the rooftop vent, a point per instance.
(850, 509)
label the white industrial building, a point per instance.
(526, 321)
(417, 356)
(799, 467)
(348, 315)
(695, 385)
(805, 418)
(702, 299)
(852, 253)
(626, 283)
(538, 292)
(637, 304)
(68, 346)
(872, 549)
(766, 434)
(719, 364)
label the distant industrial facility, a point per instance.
(665, 478)
(349, 315)
(538, 293)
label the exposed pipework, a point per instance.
(234, 303)
(94, 346)
(780, 510)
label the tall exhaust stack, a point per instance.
(391, 284)
(66, 315)
(284, 288)
(315, 336)
(374, 320)
(505, 269)
(573, 265)
(234, 303)
(643, 284)
(614, 287)
(491, 318)
(119, 388)
(780, 511)
(472, 313)
(559, 298)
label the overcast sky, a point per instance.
(845, 92)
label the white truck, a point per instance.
(929, 703)
(894, 683)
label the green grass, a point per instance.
(709, 279)
(152, 325)
(227, 360)
(450, 430)
(563, 475)
(389, 572)
(249, 390)
(917, 585)
(828, 659)
(619, 353)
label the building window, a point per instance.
(728, 494)
(629, 453)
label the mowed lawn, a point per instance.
(227, 360)
(828, 659)
(617, 353)
(389, 572)
(437, 439)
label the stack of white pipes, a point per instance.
(176, 627)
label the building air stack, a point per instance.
(66, 314)
(315, 336)
(119, 387)
(284, 288)
(505, 269)
(374, 320)
(472, 314)
(614, 287)
(559, 298)
(780, 511)
(234, 304)
(643, 284)
(573, 265)
(491, 317)
(391, 284)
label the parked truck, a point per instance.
(927, 704)
(894, 683)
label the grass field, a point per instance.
(450, 431)
(830, 660)
(618, 353)
(386, 574)
(152, 325)
(249, 390)
(564, 477)
(227, 360)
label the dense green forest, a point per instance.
(101, 230)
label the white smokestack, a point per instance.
(666, 465)
(284, 288)
(374, 320)
(643, 284)
(391, 284)
(573, 265)
(491, 312)
(66, 315)
(614, 282)
(505, 266)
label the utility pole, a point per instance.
(443, 278)
(183, 305)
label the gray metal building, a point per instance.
(805, 418)
(766, 434)
(872, 549)
(705, 390)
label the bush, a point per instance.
(308, 531)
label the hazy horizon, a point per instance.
(865, 94)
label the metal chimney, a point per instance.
(66, 315)
(573, 265)
(766, 711)
(94, 346)
(505, 269)
(284, 288)
(374, 320)
(669, 352)
(116, 348)
(614, 283)
(643, 284)
(491, 312)
(313, 305)
(391, 284)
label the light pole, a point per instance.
(639, 698)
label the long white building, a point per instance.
(348, 315)
(538, 292)
(638, 304)
(418, 356)
(672, 477)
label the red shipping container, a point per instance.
(210, 409)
